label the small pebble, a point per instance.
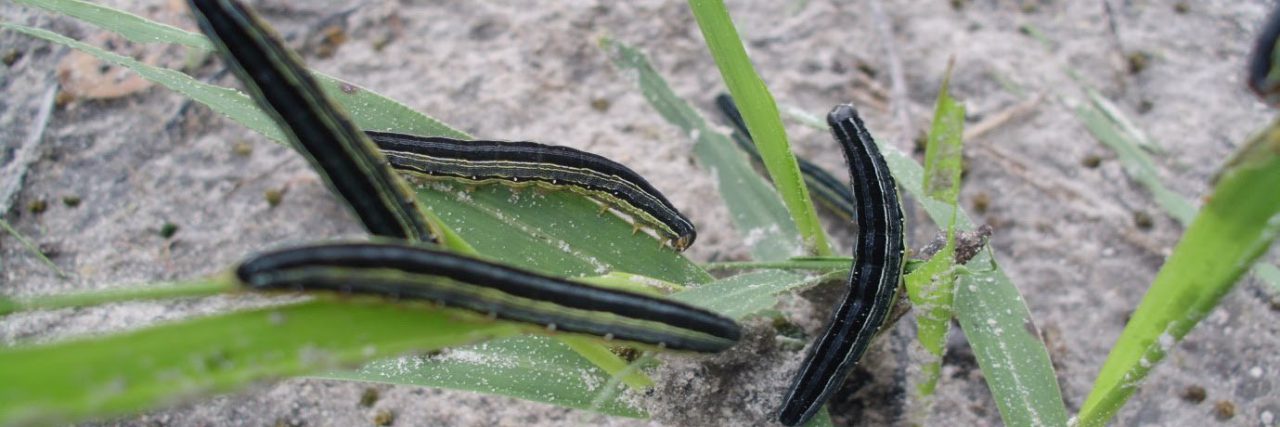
(369, 397)
(981, 202)
(11, 56)
(1091, 161)
(600, 104)
(1138, 61)
(273, 196)
(1145, 106)
(1193, 394)
(384, 417)
(1224, 410)
(1143, 220)
(37, 206)
(332, 38)
(63, 98)
(242, 148)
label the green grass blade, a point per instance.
(376, 112)
(188, 289)
(133, 27)
(534, 368)
(1016, 366)
(820, 264)
(757, 212)
(228, 102)
(557, 233)
(67, 381)
(605, 359)
(31, 248)
(932, 286)
(1236, 226)
(761, 114)
(827, 191)
(746, 294)
(530, 368)
(942, 156)
(931, 290)
(1137, 163)
(1008, 347)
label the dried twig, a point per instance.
(16, 171)
(899, 98)
(995, 121)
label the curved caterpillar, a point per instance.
(410, 272)
(519, 163)
(873, 282)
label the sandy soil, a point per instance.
(1069, 235)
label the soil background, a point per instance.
(1079, 239)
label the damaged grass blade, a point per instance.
(932, 286)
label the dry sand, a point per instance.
(1065, 232)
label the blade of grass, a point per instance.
(749, 293)
(533, 368)
(376, 112)
(803, 263)
(229, 102)
(31, 248)
(187, 289)
(942, 157)
(757, 211)
(1008, 346)
(133, 27)
(931, 287)
(556, 233)
(761, 114)
(68, 381)
(530, 368)
(826, 189)
(1137, 164)
(605, 359)
(1233, 229)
